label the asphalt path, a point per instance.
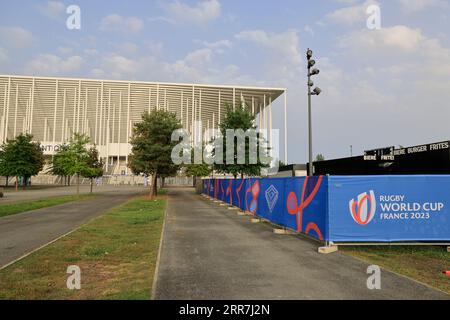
(24, 232)
(209, 252)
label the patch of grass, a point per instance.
(422, 263)
(18, 207)
(116, 254)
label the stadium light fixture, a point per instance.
(315, 92)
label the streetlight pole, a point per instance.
(310, 153)
(315, 92)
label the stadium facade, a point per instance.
(53, 109)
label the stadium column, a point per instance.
(96, 118)
(253, 106)
(270, 126)
(33, 88)
(181, 114)
(149, 100)
(200, 123)
(100, 133)
(265, 116)
(128, 128)
(157, 97)
(85, 109)
(3, 120)
(260, 117)
(15, 110)
(108, 130)
(54, 113)
(285, 129)
(234, 99)
(119, 130)
(193, 117)
(5, 135)
(63, 117)
(74, 110)
(78, 106)
(220, 105)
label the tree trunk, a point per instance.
(68, 181)
(153, 186)
(78, 184)
(92, 182)
(194, 181)
(24, 186)
(17, 183)
(6, 183)
(163, 182)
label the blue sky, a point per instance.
(380, 87)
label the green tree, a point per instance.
(73, 159)
(152, 146)
(241, 118)
(94, 166)
(197, 170)
(59, 164)
(21, 157)
(320, 157)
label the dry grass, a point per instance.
(116, 253)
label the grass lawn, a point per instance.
(422, 263)
(116, 254)
(18, 207)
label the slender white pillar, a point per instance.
(63, 118)
(270, 127)
(100, 140)
(149, 100)
(78, 106)
(128, 127)
(74, 120)
(15, 110)
(220, 105)
(54, 112)
(96, 118)
(182, 120)
(234, 99)
(5, 135)
(33, 88)
(157, 97)
(285, 129)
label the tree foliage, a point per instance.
(21, 157)
(74, 159)
(152, 145)
(241, 118)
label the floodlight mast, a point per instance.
(315, 92)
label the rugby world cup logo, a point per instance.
(363, 209)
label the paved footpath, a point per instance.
(209, 252)
(24, 232)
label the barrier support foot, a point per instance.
(448, 249)
(241, 213)
(255, 220)
(328, 249)
(233, 208)
(282, 231)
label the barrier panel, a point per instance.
(346, 208)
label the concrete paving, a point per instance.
(209, 252)
(24, 232)
(12, 196)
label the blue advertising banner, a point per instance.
(389, 208)
(346, 209)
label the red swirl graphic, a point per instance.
(297, 209)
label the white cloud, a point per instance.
(391, 40)
(49, 64)
(53, 9)
(350, 15)
(420, 5)
(16, 37)
(115, 22)
(204, 12)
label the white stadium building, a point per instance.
(52, 109)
